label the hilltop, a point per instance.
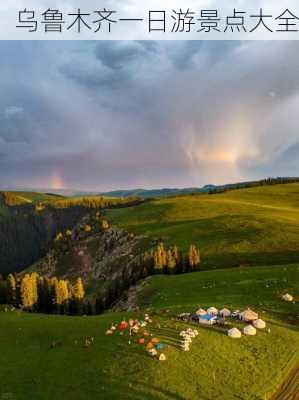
(109, 260)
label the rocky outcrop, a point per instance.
(102, 259)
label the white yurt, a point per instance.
(288, 297)
(259, 324)
(234, 333)
(212, 311)
(225, 312)
(152, 352)
(201, 311)
(249, 330)
(248, 315)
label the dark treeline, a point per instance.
(37, 293)
(26, 237)
(250, 184)
(90, 202)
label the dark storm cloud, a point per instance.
(121, 114)
(118, 55)
(112, 65)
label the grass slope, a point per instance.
(32, 197)
(216, 367)
(35, 197)
(249, 226)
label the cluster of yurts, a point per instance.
(212, 315)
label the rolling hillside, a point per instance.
(243, 227)
(45, 356)
(20, 198)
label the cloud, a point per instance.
(120, 54)
(105, 115)
(11, 111)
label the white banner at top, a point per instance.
(149, 20)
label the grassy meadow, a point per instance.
(33, 197)
(217, 367)
(256, 226)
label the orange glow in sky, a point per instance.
(57, 181)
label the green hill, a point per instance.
(44, 356)
(36, 197)
(16, 198)
(258, 225)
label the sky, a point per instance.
(113, 115)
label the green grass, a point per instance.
(217, 367)
(32, 197)
(258, 287)
(35, 197)
(249, 226)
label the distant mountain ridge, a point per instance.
(149, 193)
(211, 189)
(160, 192)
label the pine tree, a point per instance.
(163, 255)
(78, 296)
(176, 254)
(62, 295)
(160, 258)
(69, 233)
(178, 259)
(171, 262)
(28, 297)
(11, 290)
(78, 290)
(193, 257)
(34, 282)
(58, 237)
